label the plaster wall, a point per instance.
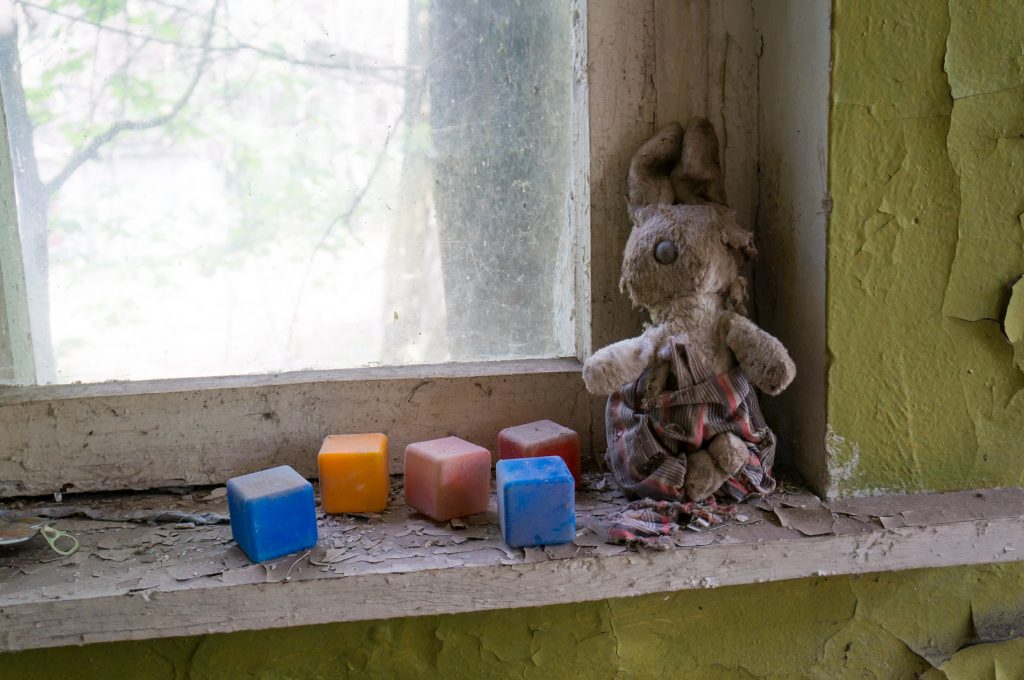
(952, 624)
(926, 163)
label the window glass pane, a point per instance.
(225, 187)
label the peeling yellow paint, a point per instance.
(997, 661)
(1013, 322)
(926, 159)
(882, 626)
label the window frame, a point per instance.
(150, 433)
(17, 363)
(626, 82)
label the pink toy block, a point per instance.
(447, 478)
(541, 438)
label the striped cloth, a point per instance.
(671, 410)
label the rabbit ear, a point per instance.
(698, 178)
(649, 171)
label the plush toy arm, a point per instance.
(761, 356)
(620, 363)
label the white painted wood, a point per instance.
(792, 217)
(682, 32)
(621, 55)
(964, 535)
(706, 65)
(17, 395)
(579, 200)
(203, 431)
(733, 100)
(17, 363)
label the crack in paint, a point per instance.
(982, 94)
(949, 152)
(613, 632)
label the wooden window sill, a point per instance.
(133, 580)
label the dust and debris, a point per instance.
(479, 533)
(562, 552)
(803, 512)
(123, 554)
(219, 492)
(119, 555)
(923, 510)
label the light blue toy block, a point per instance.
(272, 513)
(536, 501)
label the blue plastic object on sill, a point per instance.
(536, 501)
(273, 513)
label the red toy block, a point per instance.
(542, 438)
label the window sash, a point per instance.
(17, 363)
(203, 431)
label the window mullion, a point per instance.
(17, 360)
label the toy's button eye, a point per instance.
(665, 252)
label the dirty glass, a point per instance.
(225, 187)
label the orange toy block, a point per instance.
(354, 473)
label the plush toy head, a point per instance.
(684, 250)
(684, 241)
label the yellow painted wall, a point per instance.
(878, 626)
(927, 177)
(927, 180)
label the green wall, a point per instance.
(927, 180)
(926, 156)
(875, 626)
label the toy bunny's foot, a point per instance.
(729, 452)
(706, 471)
(703, 476)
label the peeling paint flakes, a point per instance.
(253, 573)
(1013, 322)
(191, 571)
(390, 547)
(808, 521)
(322, 557)
(117, 555)
(843, 459)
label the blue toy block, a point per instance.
(272, 513)
(536, 501)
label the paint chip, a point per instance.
(1013, 321)
(808, 521)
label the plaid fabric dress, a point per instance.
(671, 410)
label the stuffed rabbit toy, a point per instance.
(683, 421)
